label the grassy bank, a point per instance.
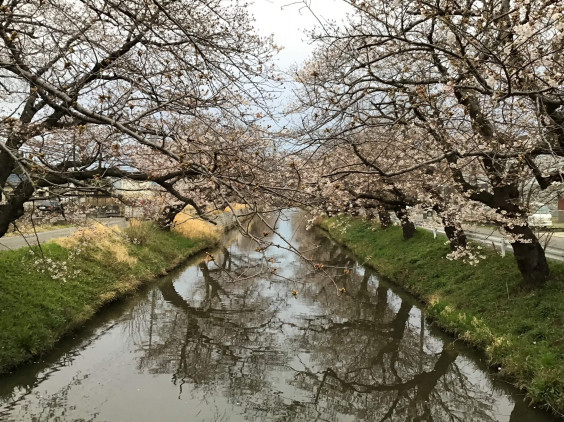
(44, 295)
(521, 333)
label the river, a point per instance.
(240, 338)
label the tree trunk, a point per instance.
(455, 235)
(530, 257)
(167, 215)
(14, 206)
(454, 232)
(370, 214)
(407, 226)
(384, 217)
(8, 214)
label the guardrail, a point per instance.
(498, 242)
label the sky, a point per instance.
(287, 20)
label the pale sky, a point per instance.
(287, 20)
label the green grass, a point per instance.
(521, 332)
(36, 310)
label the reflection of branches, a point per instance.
(424, 382)
(314, 357)
(217, 336)
(361, 359)
(362, 336)
(239, 272)
(23, 387)
(212, 287)
(54, 407)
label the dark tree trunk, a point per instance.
(7, 211)
(14, 206)
(167, 215)
(8, 214)
(530, 257)
(427, 381)
(407, 226)
(455, 235)
(384, 217)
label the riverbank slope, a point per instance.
(522, 334)
(46, 293)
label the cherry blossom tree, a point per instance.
(476, 87)
(92, 90)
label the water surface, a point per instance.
(227, 340)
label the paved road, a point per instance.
(554, 241)
(17, 242)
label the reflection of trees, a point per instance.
(51, 407)
(367, 363)
(417, 391)
(364, 355)
(221, 336)
(361, 358)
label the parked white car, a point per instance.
(542, 217)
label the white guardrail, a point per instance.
(500, 244)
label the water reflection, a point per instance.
(218, 342)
